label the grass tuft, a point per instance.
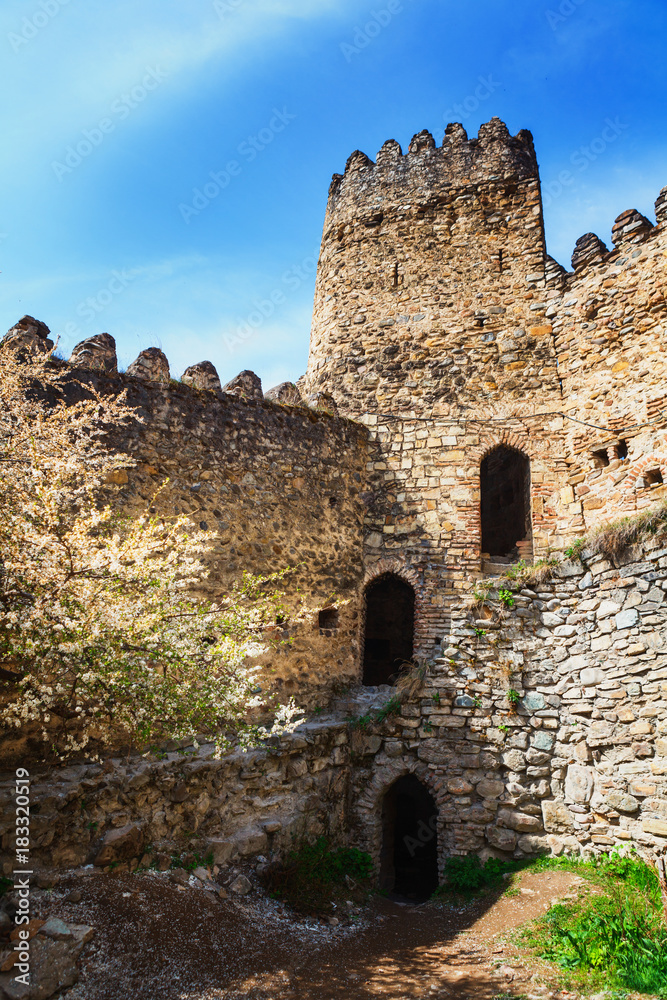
(467, 874)
(612, 539)
(315, 876)
(614, 935)
(533, 574)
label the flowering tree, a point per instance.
(100, 634)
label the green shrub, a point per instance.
(468, 874)
(506, 597)
(393, 707)
(314, 875)
(574, 551)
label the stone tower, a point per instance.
(422, 295)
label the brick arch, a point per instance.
(514, 441)
(502, 438)
(397, 568)
(367, 806)
(654, 460)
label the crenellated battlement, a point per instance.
(630, 227)
(408, 240)
(435, 287)
(97, 355)
(427, 171)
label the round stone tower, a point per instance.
(423, 291)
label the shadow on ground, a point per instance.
(157, 940)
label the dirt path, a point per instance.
(158, 941)
(433, 952)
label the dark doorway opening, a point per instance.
(505, 502)
(409, 859)
(390, 628)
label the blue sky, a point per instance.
(116, 114)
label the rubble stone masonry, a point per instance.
(442, 323)
(578, 763)
(444, 337)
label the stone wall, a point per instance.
(279, 486)
(579, 762)
(423, 502)
(245, 804)
(442, 323)
(609, 319)
(581, 759)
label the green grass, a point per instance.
(613, 538)
(613, 936)
(530, 574)
(467, 874)
(313, 876)
(392, 707)
(574, 551)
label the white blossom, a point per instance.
(97, 620)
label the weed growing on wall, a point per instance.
(506, 597)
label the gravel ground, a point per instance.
(156, 940)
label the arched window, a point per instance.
(505, 502)
(390, 628)
(409, 858)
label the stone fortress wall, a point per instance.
(442, 323)
(279, 485)
(442, 331)
(276, 480)
(579, 763)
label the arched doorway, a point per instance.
(390, 628)
(505, 502)
(409, 858)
